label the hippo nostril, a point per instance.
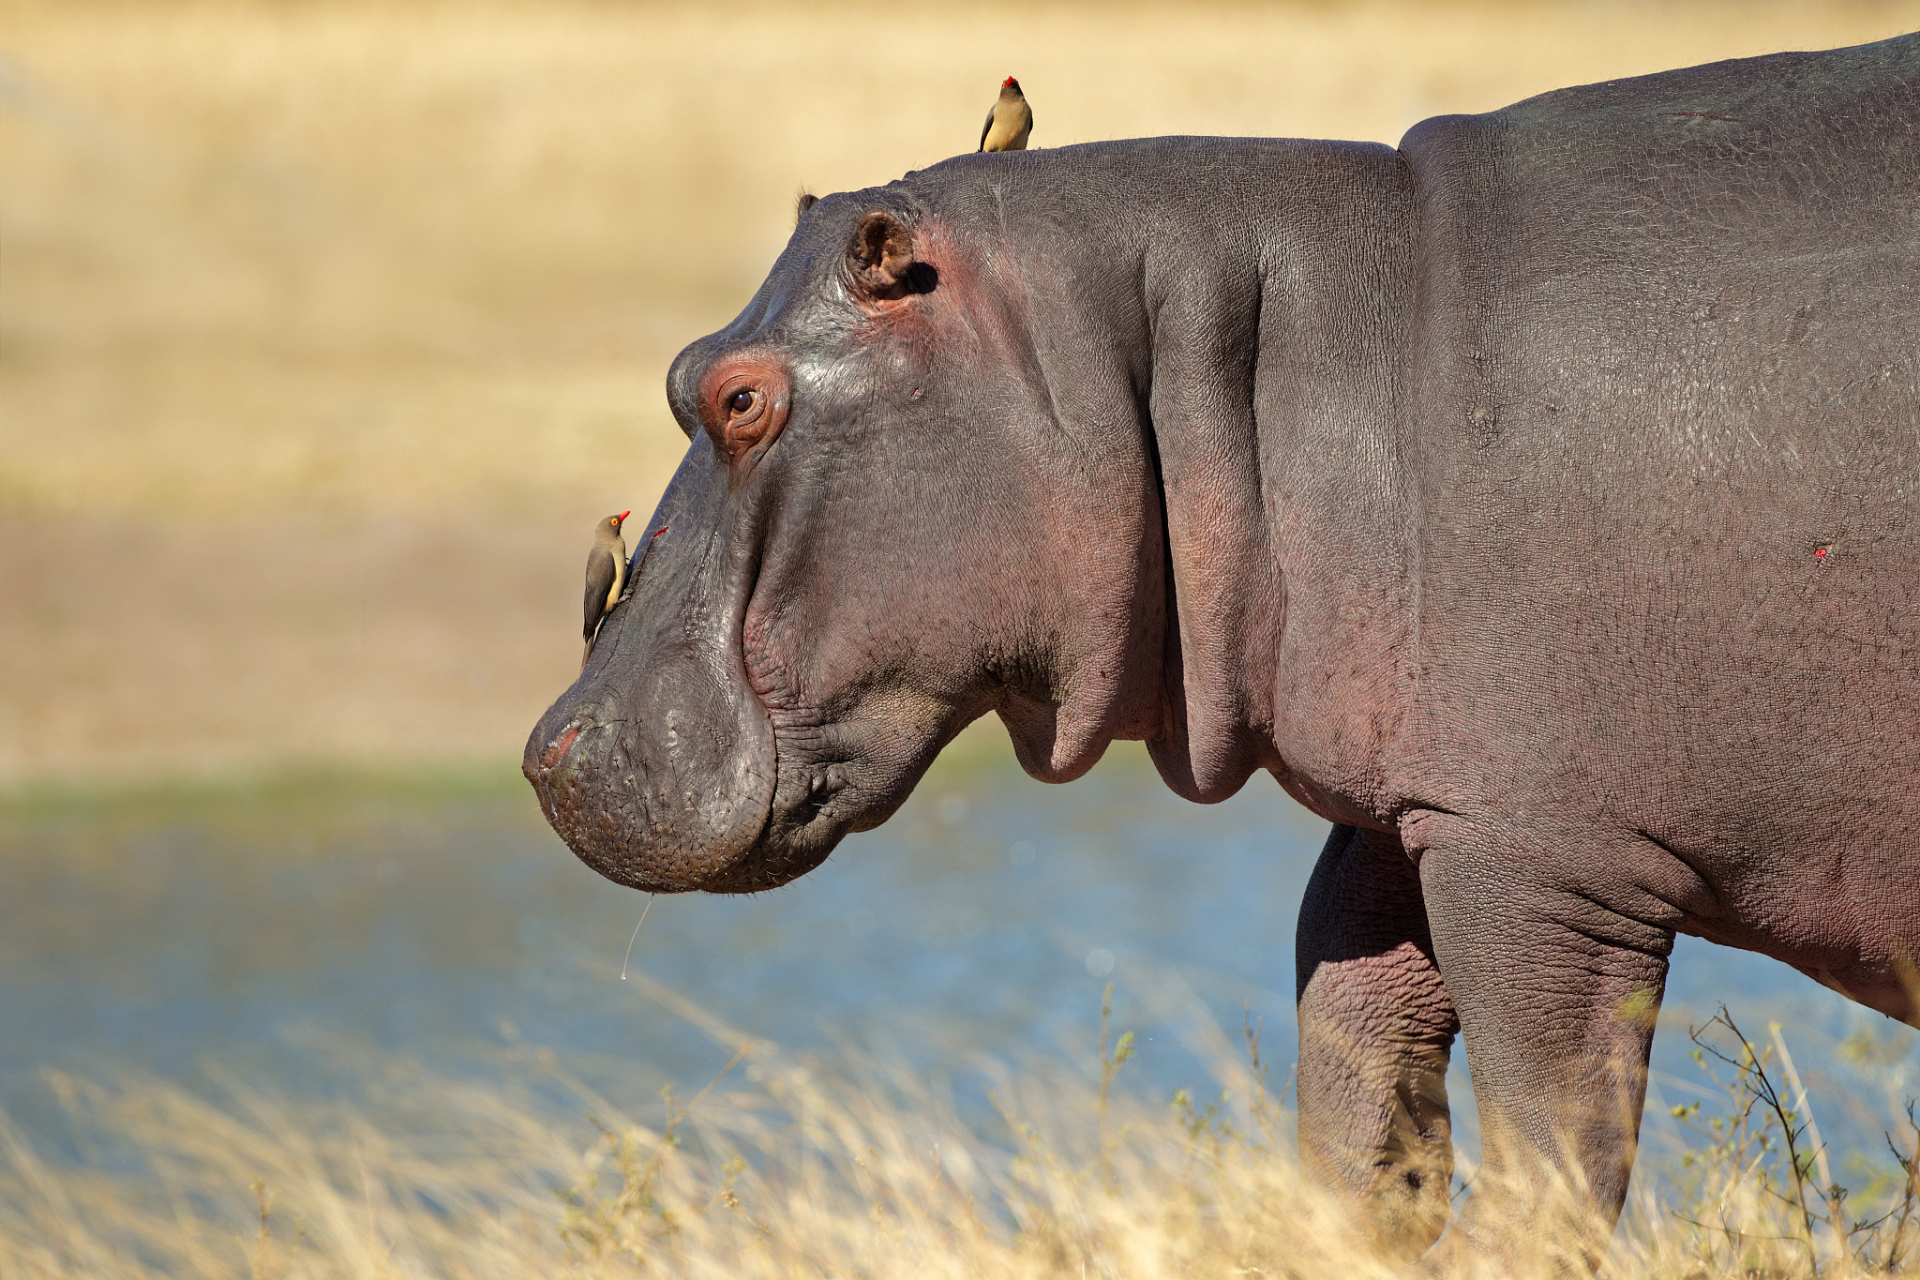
(557, 749)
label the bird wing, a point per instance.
(987, 128)
(617, 589)
(600, 574)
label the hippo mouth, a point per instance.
(640, 829)
(673, 824)
(721, 810)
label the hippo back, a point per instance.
(1667, 445)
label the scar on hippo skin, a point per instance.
(557, 749)
(744, 399)
(880, 260)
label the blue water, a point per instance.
(269, 941)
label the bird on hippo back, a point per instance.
(1009, 120)
(1534, 502)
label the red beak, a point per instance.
(622, 517)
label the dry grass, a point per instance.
(289, 288)
(787, 1168)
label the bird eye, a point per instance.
(741, 402)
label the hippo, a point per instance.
(1534, 502)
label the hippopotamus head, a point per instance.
(885, 526)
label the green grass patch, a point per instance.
(310, 794)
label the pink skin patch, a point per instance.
(557, 749)
(761, 375)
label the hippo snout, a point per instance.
(667, 791)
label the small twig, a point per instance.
(1802, 1106)
(1754, 1068)
(1110, 1064)
(1909, 1194)
(1262, 1104)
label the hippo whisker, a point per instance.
(636, 933)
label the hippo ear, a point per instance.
(881, 256)
(805, 202)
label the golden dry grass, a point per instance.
(786, 1168)
(326, 329)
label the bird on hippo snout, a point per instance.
(606, 577)
(1531, 501)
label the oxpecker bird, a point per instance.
(606, 576)
(1009, 120)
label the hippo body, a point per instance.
(1534, 502)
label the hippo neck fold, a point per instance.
(1266, 327)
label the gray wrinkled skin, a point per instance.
(1535, 502)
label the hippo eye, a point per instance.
(743, 404)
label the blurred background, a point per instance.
(328, 329)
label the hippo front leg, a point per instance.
(1554, 946)
(1376, 1026)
